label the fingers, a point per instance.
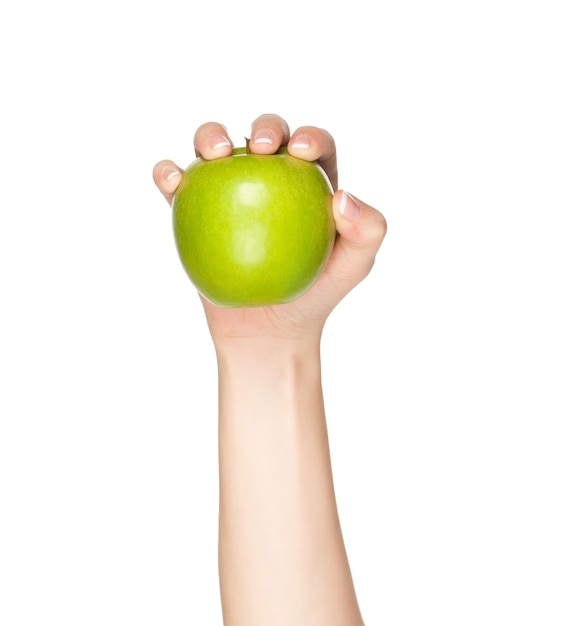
(361, 230)
(211, 141)
(268, 133)
(167, 177)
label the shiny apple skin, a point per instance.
(253, 230)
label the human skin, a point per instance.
(282, 558)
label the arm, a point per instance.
(282, 558)
(281, 553)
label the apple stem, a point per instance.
(247, 145)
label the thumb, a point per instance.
(361, 230)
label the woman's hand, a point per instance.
(282, 558)
(360, 232)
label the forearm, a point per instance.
(281, 552)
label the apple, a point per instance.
(253, 230)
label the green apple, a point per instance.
(253, 230)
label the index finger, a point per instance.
(316, 144)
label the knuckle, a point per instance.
(378, 228)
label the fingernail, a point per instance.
(301, 141)
(349, 207)
(169, 173)
(263, 136)
(219, 141)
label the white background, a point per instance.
(447, 373)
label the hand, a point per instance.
(360, 232)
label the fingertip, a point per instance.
(263, 141)
(219, 145)
(303, 146)
(167, 177)
(316, 144)
(348, 207)
(356, 221)
(212, 141)
(268, 133)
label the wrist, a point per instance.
(268, 349)
(271, 378)
(263, 357)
